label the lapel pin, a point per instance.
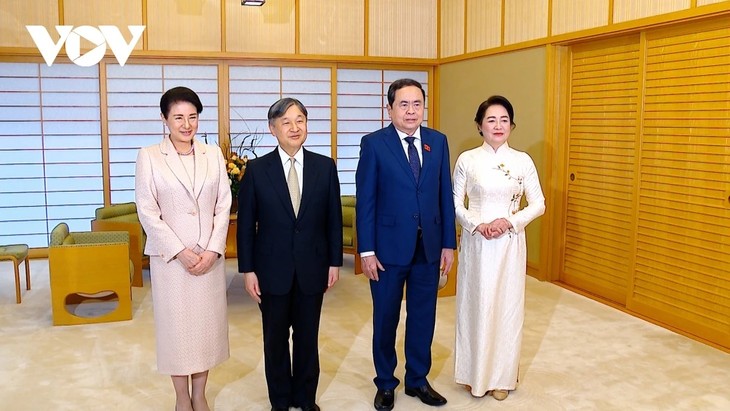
(427, 147)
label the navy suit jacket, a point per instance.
(275, 244)
(391, 203)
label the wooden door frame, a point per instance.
(552, 233)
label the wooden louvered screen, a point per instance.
(647, 221)
(682, 268)
(602, 138)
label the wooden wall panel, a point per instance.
(334, 28)
(705, 2)
(109, 12)
(571, 15)
(190, 25)
(525, 20)
(267, 29)
(625, 10)
(403, 28)
(518, 75)
(16, 14)
(484, 20)
(98, 12)
(452, 27)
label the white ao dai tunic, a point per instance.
(491, 288)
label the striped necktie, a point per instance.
(413, 159)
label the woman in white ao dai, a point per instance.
(492, 179)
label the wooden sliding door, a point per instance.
(647, 190)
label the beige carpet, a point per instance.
(577, 355)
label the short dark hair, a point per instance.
(401, 83)
(280, 107)
(495, 101)
(176, 95)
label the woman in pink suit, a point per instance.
(184, 201)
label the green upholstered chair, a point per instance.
(349, 234)
(89, 266)
(17, 253)
(123, 217)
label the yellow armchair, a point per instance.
(123, 217)
(349, 233)
(89, 265)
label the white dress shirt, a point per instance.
(298, 163)
(416, 142)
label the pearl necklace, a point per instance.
(192, 147)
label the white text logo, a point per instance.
(101, 37)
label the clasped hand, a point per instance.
(197, 264)
(494, 229)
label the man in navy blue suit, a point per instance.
(406, 235)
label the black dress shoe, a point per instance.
(314, 407)
(427, 395)
(384, 400)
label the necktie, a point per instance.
(292, 181)
(413, 159)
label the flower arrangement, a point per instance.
(235, 167)
(238, 158)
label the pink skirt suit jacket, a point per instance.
(182, 208)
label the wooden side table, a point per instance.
(231, 243)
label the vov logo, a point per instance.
(101, 37)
